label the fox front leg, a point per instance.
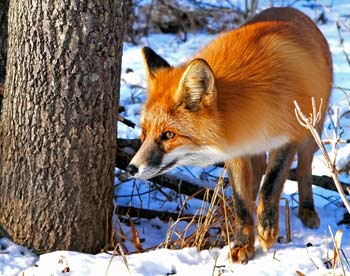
(270, 193)
(240, 175)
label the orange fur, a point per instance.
(233, 100)
(259, 70)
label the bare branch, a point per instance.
(126, 121)
(310, 123)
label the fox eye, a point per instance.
(167, 135)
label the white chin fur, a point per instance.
(200, 157)
(145, 173)
(207, 155)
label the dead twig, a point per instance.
(213, 223)
(337, 242)
(126, 121)
(288, 232)
(310, 123)
(150, 214)
(122, 256)
(308, 254)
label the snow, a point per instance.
(309, 248)
(282, 259)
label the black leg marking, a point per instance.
(243, 218)
(273, 184)
(242, 199)
(241, 209)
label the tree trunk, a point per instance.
(59, 143)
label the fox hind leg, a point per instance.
(306, 213)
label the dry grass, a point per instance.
(213, 223)
(118, 251)
(339, 258)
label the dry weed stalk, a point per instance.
(183, 239)
(122, 256)
(287, 221)
(337, 242)
(135, 237)
(331, 262)
(217, 216)
(64, 264)
(310, 123)
(206, 220)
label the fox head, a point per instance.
(179, 121)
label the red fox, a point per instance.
(232, 102)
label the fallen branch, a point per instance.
(150, 214)
(323, 181)
(128, 147)
(126, 121)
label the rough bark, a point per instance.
(59, 143)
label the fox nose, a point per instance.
(132, 169)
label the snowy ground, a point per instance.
(306, 253)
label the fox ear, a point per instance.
(153, 61)
(197, 86)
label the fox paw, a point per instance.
(309, 217)
(242, 254)
(267, 224)
(267, 235)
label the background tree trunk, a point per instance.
(59, 143)
(130, 34)
(4, 5)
